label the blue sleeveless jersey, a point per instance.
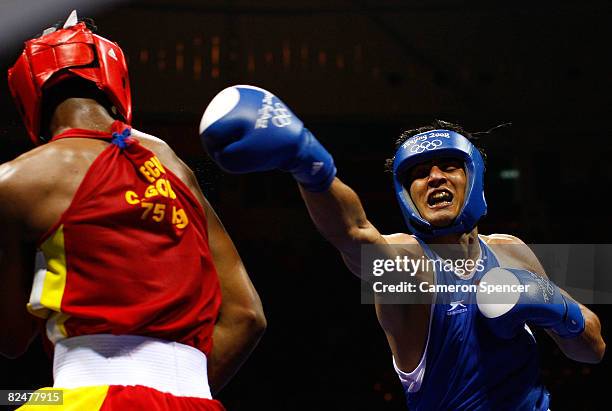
(467, 367)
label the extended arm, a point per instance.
(247, 129)
(340, 218)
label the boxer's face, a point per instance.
(437, 189)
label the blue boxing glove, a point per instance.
(247, 129)
(528, 298)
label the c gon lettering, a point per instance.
(131, 197)
(179, 218)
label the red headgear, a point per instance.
(65, 53)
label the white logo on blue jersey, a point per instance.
(457, 307)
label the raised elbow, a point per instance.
(591, 354)
(599, 351)
(257, 321)
(597, 343)
(251, 320)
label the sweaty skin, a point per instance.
(38, 186)
(339, 216)
(435, 177)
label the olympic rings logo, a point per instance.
(425, 146)
(282, 117)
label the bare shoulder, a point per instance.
(155, 144)
(165, 153)
(491, 239)
(173, 162)
(405, 244)
(400, 238)
(29, 171)
(150, 140)
(512, 252)
(45, 163)
(37, 186)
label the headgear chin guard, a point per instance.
(72, 51)
(435, 144)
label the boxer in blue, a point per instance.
(466, 353)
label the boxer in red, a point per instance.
(140, 289)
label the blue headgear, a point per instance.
(435, 144)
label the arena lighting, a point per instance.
(509, 174)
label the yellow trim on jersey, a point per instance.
(54, 282)
(56, 330)
(74, 399)
(37, 312)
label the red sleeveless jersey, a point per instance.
(130, 255)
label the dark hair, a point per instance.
(435, 125)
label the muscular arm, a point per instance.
(340, 218)
(588, 347)
(241, 321)
(240, 140)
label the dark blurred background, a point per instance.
(358, 73)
